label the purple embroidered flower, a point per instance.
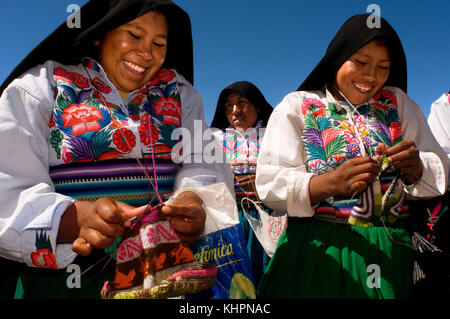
(352, 150)
(366, 142)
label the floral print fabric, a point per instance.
(88, 123)
(241, 148)
(333, 134)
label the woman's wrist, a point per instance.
(322, 187)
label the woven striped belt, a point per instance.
(122, 180)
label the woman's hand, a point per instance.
(350, 178)
(186, 216)
(96, 224)
(405, 157)
(247, 182)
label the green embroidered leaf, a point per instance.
(335, 146)
(100, 142)
(61, 103)
(315, 152)
(392, 116)
(165, 133)
(310, 122)
(335, 113)
(324, 123)
(380, 115)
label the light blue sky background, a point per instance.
(274, 44)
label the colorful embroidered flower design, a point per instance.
(124, 139)
(382, 97)
(170, 109)
(66, 155)
(366, 142)
(43, 256)
(71, 77)
(82, 118)
(163, 75)
(144, 131)
(312, 104)
(101, 86)
(353, 150)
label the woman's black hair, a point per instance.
(249, 91)
(98, 17)
(354, 34)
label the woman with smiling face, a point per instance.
(86, 120)
(341, 156)
(241, 115)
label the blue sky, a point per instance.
(274, 44)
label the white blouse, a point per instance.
(282, 178)
(28, 199)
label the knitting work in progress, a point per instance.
(152, 263)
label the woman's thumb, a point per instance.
(130, 211)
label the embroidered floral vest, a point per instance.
(83, 128)
(96, 136)
(332, 135)
(241, 148)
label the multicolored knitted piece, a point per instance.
(152, 263)
(377, 201)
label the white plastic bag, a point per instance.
(268, 228)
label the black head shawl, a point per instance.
(354, 34)
(250, 92)
(98, 17)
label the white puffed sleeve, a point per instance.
(282, 180)
(439, 121)
(30, 209)
(203, 162)
(434, 159)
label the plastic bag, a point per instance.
(268, 228)
(223, 245)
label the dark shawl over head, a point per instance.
(98, 17)
(250, 92)
(353, 35)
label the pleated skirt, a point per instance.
(323, 260)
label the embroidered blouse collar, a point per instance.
(338, 104)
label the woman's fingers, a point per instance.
(82, 247)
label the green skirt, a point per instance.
(322, 260)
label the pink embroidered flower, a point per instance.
(44, 258)
(82, 118)
(170, 109)
(309, 102)
(71, 77)
(124, 139)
